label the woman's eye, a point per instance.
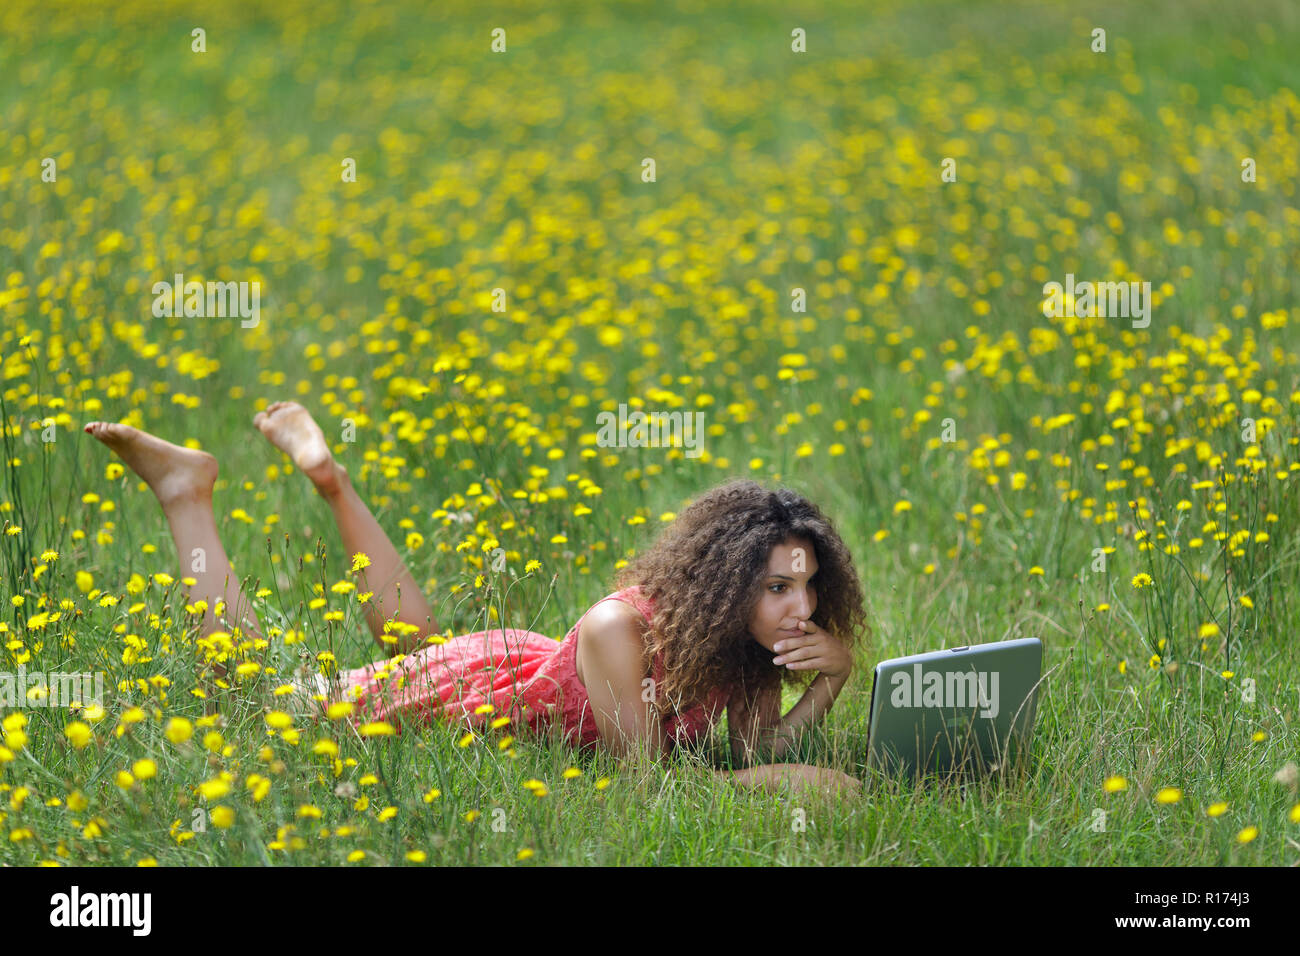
(812, 583)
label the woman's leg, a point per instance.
(182, 480)
(290, 427)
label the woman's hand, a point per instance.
(815, 650)
(823, 778)
(772, 777)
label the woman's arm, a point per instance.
(817, 650)
(612, 649)
(812, 706)
(745, 721)
(773, 777)
(760, 732)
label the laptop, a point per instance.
(961, 711)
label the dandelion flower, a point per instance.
(215, 788)
(178, 730)
(222, 817)
(1168, 795)
(79, 734)
(339, 709)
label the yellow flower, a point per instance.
(387, 814)
(1258, 736)
(1114, 784)
(215, 788)
(466, 740)
(1169, 795)
(571, 773)
(602, 783)
(178, 730)
(1248, 834)
(1294, 814)
(78, 733)
(124, 779)
(1216, 809)
(432, 795)
(222, 817)
(1208, 630)
(213, 741)
(279, 720)
(339, 709)
(1036, 570)
(377, 728)
(1228, 675)
(144, 769)
(417, 856)
(1141, 580)
(471, 816)
(523, 854)
(259, 786)
(484, 709)
(359, 561)
(356, 856)
(325, 746)
(308, 810)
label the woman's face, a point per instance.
(789, 593)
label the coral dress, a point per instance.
(527, 676)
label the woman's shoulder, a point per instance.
(625, 606)
(631, 602)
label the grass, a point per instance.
(522, 171)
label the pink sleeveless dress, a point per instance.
(526, 676)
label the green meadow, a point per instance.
(794, 263)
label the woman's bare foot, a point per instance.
(289, 427)
(177, 475)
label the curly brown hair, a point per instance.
(705, 574)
